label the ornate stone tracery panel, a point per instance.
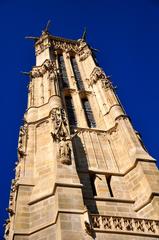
(65, 46)
(124, 224)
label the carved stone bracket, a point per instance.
(124, 224)
(98, 74)
(48, 65)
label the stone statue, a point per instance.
(17, 171)
(88, 228)
(10, 211)
(65, 151)
(60, 128)
(42, 70)
(106, 83)
(35, 73)
(60, 134)
(13, 185)
(22, 141)
(52, 75)
(7, 228)
(49, 65)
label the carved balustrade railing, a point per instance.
(125, 225)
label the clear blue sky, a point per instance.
(125, 31)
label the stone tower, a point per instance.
(82, 171)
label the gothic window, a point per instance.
(70, 111)
(63, 72)
(77, 74)
(88, 113)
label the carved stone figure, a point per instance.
(7, 229)
(88, 228)
(10, 211)
(42, 70)
(52, 75)
(30, 90)
(30, 87)
(35, 73)
(49, 65)
(13, 185)
(97, 74)
(22, 141)
(60, 128)
(17, 171)
(60, 134)
(65, 151)
(11, 200)
(106, 83)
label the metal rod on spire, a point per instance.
(47, 26)
(84, 35)
(26, 73)
(94, 49)
(32, 38)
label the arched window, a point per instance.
(63, 73)
(88, 113)
(70, 111)
(77, 74)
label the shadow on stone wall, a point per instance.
(85, 176)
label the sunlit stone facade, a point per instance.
(82, 171)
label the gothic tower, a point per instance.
(82, 171)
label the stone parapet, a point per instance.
(125, 225)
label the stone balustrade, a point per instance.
(125, 225)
